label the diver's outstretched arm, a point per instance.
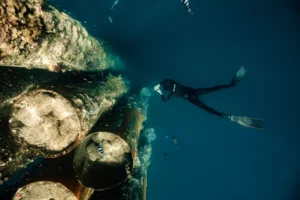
(168, 97)
(166, 82)
(157, 89)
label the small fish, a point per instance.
(100, 149)
(186, 4)
(110, 19)
(115, 3)
(174, 140)
(165, 154)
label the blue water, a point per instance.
(216, 159)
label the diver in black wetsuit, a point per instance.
(192, 95)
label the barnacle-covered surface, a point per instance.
(94, 98)
(127, 117)
(13, 156)
(44, 190)
(44, 122)
(36, 35)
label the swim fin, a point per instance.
(238, 76)
(248, 122)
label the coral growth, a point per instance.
(21, 25)
(34, 37)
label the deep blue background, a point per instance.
(216, 159)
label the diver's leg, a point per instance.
(236, 78)
(200, 104)
(201, 91)
(242, 120)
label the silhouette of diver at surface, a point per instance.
(192, 95)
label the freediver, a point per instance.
(192, 95)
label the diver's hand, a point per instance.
(156, 87)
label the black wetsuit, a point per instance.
(191, 94)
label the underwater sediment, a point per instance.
(34, 34)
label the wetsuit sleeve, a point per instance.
(163, 97)
(168, 97)
(167, 81)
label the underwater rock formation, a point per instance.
(50, 122)
(34, 34)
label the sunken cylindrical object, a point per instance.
(61, 170)
(126, 119)
(44, 190)
(50, 122)
(12, 156)
(16, 81)
(45, 121)
(102, 160)
(36, 35)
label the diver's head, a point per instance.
(167, 86)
